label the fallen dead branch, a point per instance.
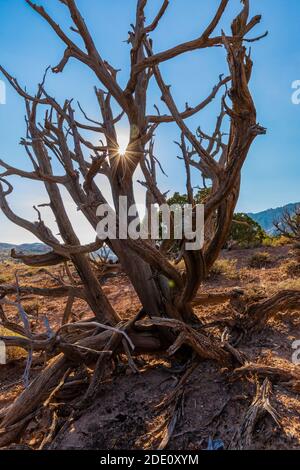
(55, 292)
(288, 375)
(49, 436)
(169, 399)
(216, 298)
(47, 259)
(173, 406)
(174, 417)
(204, 346)
(260, 407)
(26, 404)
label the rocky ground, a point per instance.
(213, 404)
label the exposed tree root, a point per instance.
(289, 376)
(49, 436)
(29, 400)
(101, 370)
(91, 342)
(259, 407)
(10, 433)
(169, 399)
(174, 417)
(257, 314)
(173, 403)
(88, 348)
(205, 347)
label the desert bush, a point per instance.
(4, 278)
(292, 269)
(287, 284)
(276, 241)
(12, 352)
(245, 232)
(225, 267)
(260, 260)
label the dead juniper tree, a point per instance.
(146, 267)
(167, 295)
(289, 227)
(289, 224)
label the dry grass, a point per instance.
(5, 278)
(260, 260)
(288, 284)
(12, 352)
(273, 242)
(292, 269)
(225, 267)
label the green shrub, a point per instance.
(225, 267)
(245, 232)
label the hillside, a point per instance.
(131, 398)
(266, 218)
(5, 248)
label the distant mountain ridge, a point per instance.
(25, 247)
(266, 218)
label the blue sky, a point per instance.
(28, 46)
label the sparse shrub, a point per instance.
(260, 260)
(12, 352)
(225, 267)
(245, 232)
(293, 269)
(4, 278)
(276, 241)
(267, 241)
(288, 284)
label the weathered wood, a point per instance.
(167, 295)
(47, 259)
(31, 398)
